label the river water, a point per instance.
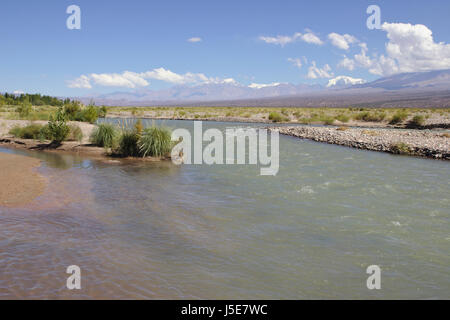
(156, 230)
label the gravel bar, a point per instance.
(424, 143)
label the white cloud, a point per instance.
(169, 76)
(308, 37)
(344, 81)
(342, 41)
(195, 39)
(296, 62)
(82, 82)
(281, 40)
(311, 38)
(260, 85)
(134, 80)
(347, 63)
(411, 48)
(316, 73)
(126, 79)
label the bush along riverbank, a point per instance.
(423, 143)
(105, 140)
(133, 140)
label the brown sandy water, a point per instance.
(19, 181)
(154, 230)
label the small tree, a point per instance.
(57, 126)
(102, 111)
(90, 114)
(71, 109)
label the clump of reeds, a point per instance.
(105, 135)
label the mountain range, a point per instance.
(425, 88)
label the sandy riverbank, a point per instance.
(424, 143)
(7, 125)
(83, 148)
(20, 183)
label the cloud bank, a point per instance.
(134, 80)
(411, 48)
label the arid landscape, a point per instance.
(233, 157)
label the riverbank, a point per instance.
(7, 125)
(81, 148)
(424, 143)
(71, 147)
(21, 184)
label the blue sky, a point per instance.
(39, 54)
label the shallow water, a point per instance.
(155, 230)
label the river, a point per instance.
(160, 231)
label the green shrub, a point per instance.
(24, 109)
(39, 115)
(298, 114)
(75, 133)
(44, 134)
(401, 148)
(128, 144)
(58, 130)
(371, 116)
(399, 117)
(31, 131)
(417, 121)
(343, 118)
(89, 114)
(328, 120)
(275, 117)
(105, 135)
(72, 110)
(102, 112)
(155, 142)
(16, 131)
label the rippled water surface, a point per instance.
(155, 230)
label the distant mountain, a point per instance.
(205, 92)
(417, 80)
(344, 82)
(341, 90)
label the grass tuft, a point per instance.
(128, 144)
(105, 135)
(155, 142)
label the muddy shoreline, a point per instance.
(86, 150)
